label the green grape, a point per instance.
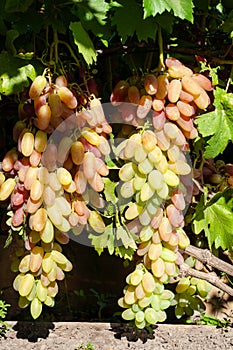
(133, 211)
(173, 153)
(144, 302)
(139, 317)
(151, 208)
(203, 288)
(163, 192)
(122, 303)
(136, 277)
(155, 302)
(171, 178)
(159, 287)
(155, 155)
(127, 189)
(183, 285)
(156, 179)
(140, 292)
(151, 316)
(135, 308)
(127, 171)
(144, 217)
(188, 310)
(146, 192)
(164, 304)
(140, 325)
(138, 181)
(157, 267)
(146, 233)
(140, 153)
(23, 302)
(191, 289)
(179, 311)
(183, 301)
(167, 295)
(130, 297)
(128, 315)
(145, 167)
(161, 316)
(168, 255)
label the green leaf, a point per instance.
(14, 74)
(104, 240)
(125, 253)
(92, 9)
(11, 35)
(228, 24)
(109, 190)
(217, 125)
(84, 43)
(215, 218)
(127, 25)
(181, 8)
(17, 5)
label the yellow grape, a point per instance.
(7, 188)
(30, 177)
(130, 297)
(173, 153)
(36, 190)
(65, 226)
(39, 219)
(145, 302)
(158, 104)
(156, 179)
(60, 274)
(157, 267)
(131, 144)
(140, 153)
(77, 152)
(91, 136)
(189, 84)
(146, 192)
(165, 229)
(96, 222)
(64, 205)
(44, 116)
(170, 130)
(148, 282)
(36, 258)
(145, 167)
(27, 144)
(127, 171)
(41, 291)
(154, 251)
(49, 196)
(178, 72)
(47, 263)
(35, 308)
(136, 277)
(53, 289)
(149, 140)
(140, 292)
(67, 267)
(8, 162)
(55, 105)
(63, 149)
(52, 275)
(89, 165)
(64, 176)
(163, 140)
(24, 264)
(2, 178)
(138, 181)
(54, 183)
(184, 241)
(37, 87)
(67, 97)
(155, 155)
(202, 101)
(183, 285)
(172, 111)
(54, 214)
(133, 211)
(49, 301)
(171, 178)
(179, 167)
(32, 294)
(26, 284)
(47, 234)
(43, 175)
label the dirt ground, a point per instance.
(106, 336)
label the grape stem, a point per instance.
(186, 270)
(160, 42)
(206, 257)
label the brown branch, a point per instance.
(186, 270)
(206, 257)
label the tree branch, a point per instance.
(206, 257)
(186, 270)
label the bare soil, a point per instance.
(106, 336)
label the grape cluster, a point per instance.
(176, 95)
(145, 298)
(156, 177)
(189, 294)
(47, 178)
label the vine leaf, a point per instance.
(215, 217)
(14, 74)
(83, 42)
(17, 5)
(217, 125)
(180, 8)
(128, 18)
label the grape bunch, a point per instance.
(156, 178)
(189, 294)
(145, 298)
(51, 180)
(176, 94)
